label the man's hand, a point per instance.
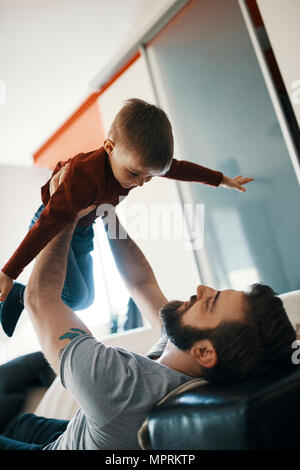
(57, 179)
(6, 284)
(235, 183)
(84, 212)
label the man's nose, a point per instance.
(200, 291)
(203, 290)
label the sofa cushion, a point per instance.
(259, 414)
(57, 402)
(291, 303)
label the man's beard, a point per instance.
(170, 310)
(171, 317)
(183, 336)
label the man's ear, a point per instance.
(109, 146)
(204, 353)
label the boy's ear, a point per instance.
(204, 353)
(108, 145)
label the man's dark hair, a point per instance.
(256, 345)
(276, 333)
(144, 128)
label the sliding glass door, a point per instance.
(209, 81)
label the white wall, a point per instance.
(20, 198)
(50, 50)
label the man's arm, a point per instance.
(54, 322)
(138, 277)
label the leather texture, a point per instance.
(259, 414)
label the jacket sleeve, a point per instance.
(76, 192)
(182, 170)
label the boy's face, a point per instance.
(126, 166)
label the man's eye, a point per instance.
(132, 174)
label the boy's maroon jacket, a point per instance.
(89, 181)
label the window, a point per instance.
(111, 296)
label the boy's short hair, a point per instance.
(144, 128)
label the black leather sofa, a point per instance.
(258, 414)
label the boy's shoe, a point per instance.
(11, 308)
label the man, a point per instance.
(215, 335)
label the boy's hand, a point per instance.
(6, 284)
(56, 181)
(235, 183)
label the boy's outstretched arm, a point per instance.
(182, 170)
(235, 183)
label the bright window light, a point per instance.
(111, 295)
(241, 279)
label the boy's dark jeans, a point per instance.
(31, 432)
(78, 292)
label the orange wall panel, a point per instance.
(82, 132)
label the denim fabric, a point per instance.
(78, 292)
(16, 376)
(31, 432)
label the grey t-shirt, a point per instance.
(115, 389)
